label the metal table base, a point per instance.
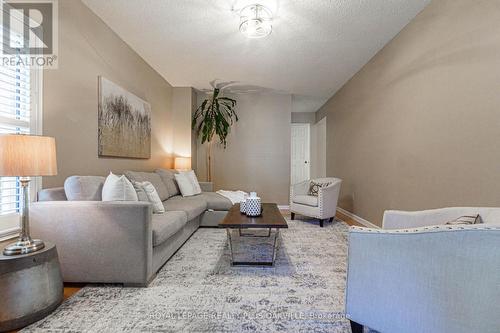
(254, 263)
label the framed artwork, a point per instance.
(124, 122)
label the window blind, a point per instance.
(15, 115)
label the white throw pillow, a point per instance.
(118, 188)
(188, 183)
(152, 195)
(141, 194)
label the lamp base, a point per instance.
(23, 247)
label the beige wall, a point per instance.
(182, 105)
(194, 137)
(257, 157)
(88, 48)
(318, 149)
(419, 126)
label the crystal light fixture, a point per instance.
(256, 21)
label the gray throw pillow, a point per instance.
(466, 219)
(153, 178)
(84, 188)
(168, 178)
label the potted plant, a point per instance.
(214, 118)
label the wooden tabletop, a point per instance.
(270, 218)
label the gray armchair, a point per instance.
(419, 275)
(323, 206)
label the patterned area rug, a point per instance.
(198, 291)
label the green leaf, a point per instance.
(214, 117)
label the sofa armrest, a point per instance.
(97, 241)
(434, 279)
(207, 186)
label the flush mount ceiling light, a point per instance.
(256, 21)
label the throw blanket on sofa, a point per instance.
(234, 196)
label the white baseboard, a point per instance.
(283, 207)
(358, 219)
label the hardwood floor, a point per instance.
(72, 288)
(341, 216)
(348, 220)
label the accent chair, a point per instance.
(322, 206)
(418, 274)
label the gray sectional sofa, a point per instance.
(120, 241)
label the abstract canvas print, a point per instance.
(124, 128)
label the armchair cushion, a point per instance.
(308, 200)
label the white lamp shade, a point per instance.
(27, 155)
(182, 163)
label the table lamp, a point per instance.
(182, 163)
(26, 156)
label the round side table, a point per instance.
(31, 286)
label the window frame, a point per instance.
(10, 223)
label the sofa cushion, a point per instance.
(188, 183)
(193, 206)
(153, 178)
(168, 178)
(308, 200)
(152, 196)
(118, 188)
(52, 194)
(84, 188)
(167, 224)
(141, 194)
(216, 201)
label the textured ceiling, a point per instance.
(315, 46)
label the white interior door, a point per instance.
(300, 153)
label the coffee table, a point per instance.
(270, 218)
